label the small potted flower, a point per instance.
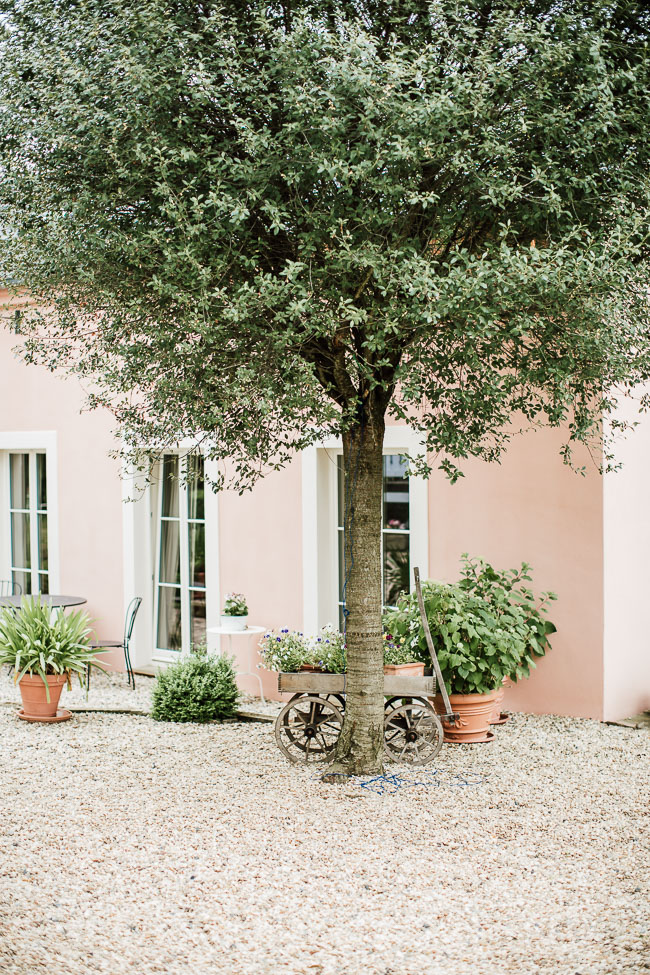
(235, 612)
(285, 651)
(398, 658)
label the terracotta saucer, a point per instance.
(503, 717)
(490, 737)
(61, 715)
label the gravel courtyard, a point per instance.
(131, 846)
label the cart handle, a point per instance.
(450, 715)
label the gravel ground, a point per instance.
(134, 847)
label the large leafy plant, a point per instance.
(506, 593)
(40, 640)
(476, 646)
(200, 688)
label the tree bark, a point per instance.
(360, 748)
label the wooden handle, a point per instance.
(432, 652)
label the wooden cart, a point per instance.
(308, 727)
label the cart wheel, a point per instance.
(413, 732)
(307, 729)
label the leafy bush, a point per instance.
(485, 628)
(38, 639)
(199, 688)
(235, 605)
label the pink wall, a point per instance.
(627, 573)
(260, 547)
(89, 489)
(533, 508)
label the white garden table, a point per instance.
(249, 631)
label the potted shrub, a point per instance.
(235, 612)
(504, 590)
(477, 647)
(398, 658)
(45, 647)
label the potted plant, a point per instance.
(478, 641)
(398, 658)
(286, 651)
(45, 647)
(504, 590)
(235, 612)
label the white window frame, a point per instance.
(140, 533)
(31, 442)
(320, 522)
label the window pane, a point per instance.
(396, 492)
(43, 582)
(170, 486)
(24, 580)
(341, 490)
(170, 555)
(169, 619)
(396, 566)
(197, 615)
(42, 542)
(21, 555)
(41, 483)
(19, 480)
(197, 554)
(195, 488)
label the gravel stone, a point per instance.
(131, 846)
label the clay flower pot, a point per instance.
(36, 706)
(499, 716)
(413, 669)
(475, 712)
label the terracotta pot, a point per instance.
(405, 670)
(34, 694)
(475, 712)
(311, 668)
(499, 716)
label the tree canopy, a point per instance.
(252, 222)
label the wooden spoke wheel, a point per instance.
(308, 727)
(413, 732)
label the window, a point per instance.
(396, 532)
(180, 590)
(28, 521)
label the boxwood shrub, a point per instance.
(199, 688)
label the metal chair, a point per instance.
(131, 613)
(10, 588)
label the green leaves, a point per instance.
(39, 640)
(484, 628)
(200, 688)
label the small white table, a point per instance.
(249, 631)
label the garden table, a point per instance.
(249, 631)
(48, 599)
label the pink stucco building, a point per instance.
(69, 522)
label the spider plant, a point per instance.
(38, 639)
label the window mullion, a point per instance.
(33, 524)
(185, 561)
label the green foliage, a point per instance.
(484, 628)
(329, 650)
(506, 594)
(199, 688)
(40, 640)
(235, 605)
(265, 219)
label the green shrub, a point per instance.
(40, 640)
(199, 688)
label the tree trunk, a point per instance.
(360, 747)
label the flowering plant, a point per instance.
(235, 605)
(329, 650)
(397, 651)
(285, 650)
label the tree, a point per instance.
(256, 223)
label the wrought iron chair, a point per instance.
(10, 588)
(131, 613)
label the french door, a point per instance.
(179, 581)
